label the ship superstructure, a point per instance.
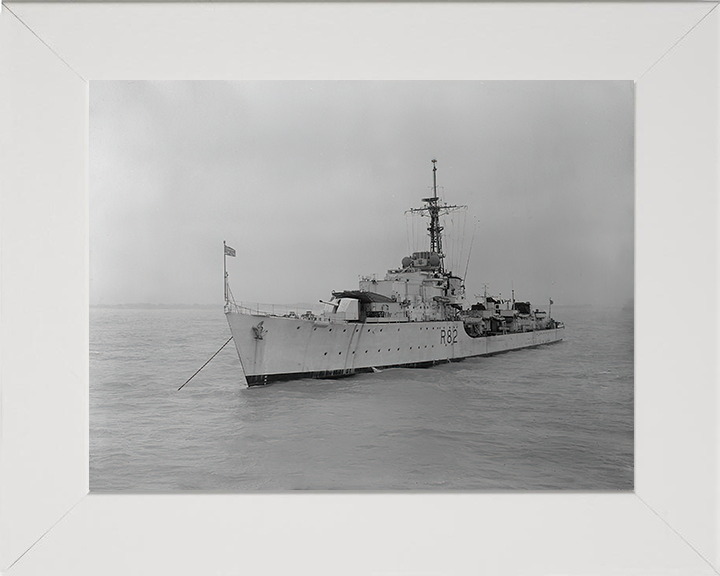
(417, 315)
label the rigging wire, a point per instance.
(414, 233)
(464, 232)
(453, 243)
(232, 298)
(450, 238)
(407, 233)
(472, 241)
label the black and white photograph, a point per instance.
(361, 285)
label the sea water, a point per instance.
(555, 417)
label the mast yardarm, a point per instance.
(435, 210)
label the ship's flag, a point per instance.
(551, 302)
(229, 251)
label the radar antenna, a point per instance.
(435, 210)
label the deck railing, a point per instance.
(261, 309)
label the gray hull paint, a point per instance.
(287, 348)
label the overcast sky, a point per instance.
(310, 181)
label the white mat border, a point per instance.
(667, 48)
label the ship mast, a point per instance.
(435, 210)
(435, 229)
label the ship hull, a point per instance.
(273, 348)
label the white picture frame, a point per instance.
(49, 523)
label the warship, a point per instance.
(417, 316)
